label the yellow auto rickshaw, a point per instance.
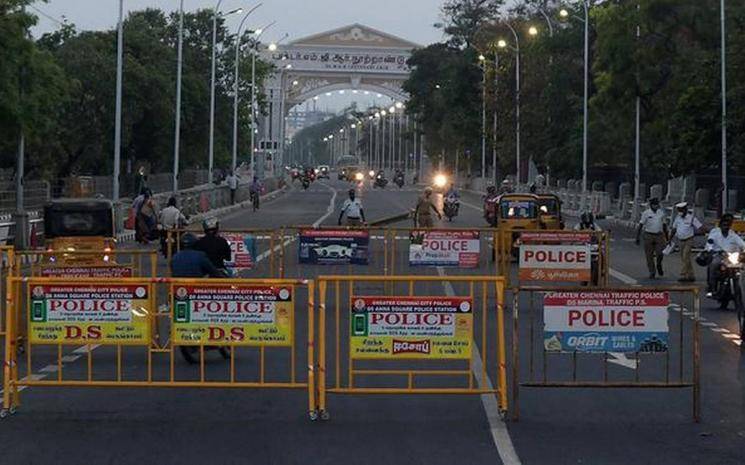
(73, 225)
(549, 211)
(515, 212)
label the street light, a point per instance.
(272, 47)
(215, 15)
(254, 130)
(533, 31)
(503, 44)
(725, 193)
(118, 115)
(179, 66)
(234, 161)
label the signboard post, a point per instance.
(232, 314)
(445, 248)
(606, 321)
(73, 313)
(555, 256)
(334, 247)
(243, 250)
(400, 327)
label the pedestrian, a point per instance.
(352, 207)
(654, 228)
(232, 182)
(171, 219)
(685, 226)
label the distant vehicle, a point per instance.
(334, 251)
(79, 225)
(323, 171)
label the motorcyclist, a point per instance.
(398, 178)
(452, 192)
(721, 239)
(191, 263)
(424, 207)
(490, 205)
(587, 223)
(352, 207)
(216, 247)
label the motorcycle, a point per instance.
(306, 183)
(491, 208)
(450, 207)
(399, 180)
(380, 181)
(727, 287)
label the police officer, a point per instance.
(654, 228)
(352, 207)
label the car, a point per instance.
(334, 251)
(323, 171)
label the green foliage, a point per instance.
(61, 88)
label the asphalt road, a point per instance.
(556, 426)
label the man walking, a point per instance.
(232, 181)
(685, 227)
(652, 224)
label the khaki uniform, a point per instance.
(424, 213)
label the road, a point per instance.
(556, 426)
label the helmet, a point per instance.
(491, 190)
(427, 190)
(352, 192)
(703, 259)
(210, 224)
(188, 240)
(587, 218)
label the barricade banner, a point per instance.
(400, 327)
(243, 249)
(445, 248)
(601, 321)
(70, 313)
(235, 314)
(555, 256)
(334, 246)
(87, 271)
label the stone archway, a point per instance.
(353, 57)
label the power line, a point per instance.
(48, 16)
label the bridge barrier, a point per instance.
(555, 256)
(583, 334)
(258, 325)
(372, 337)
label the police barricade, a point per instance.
(556, 256)
(316, 250)
(257, 325)
(419, 335)
(417, 251)
(7, 262)
(595, 338)
(257, 252)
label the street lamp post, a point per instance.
(234, 160)
(215, 15)
(482, 60)
(118, 115)
(494, 132)
(503, 44)
(179, 64)
(252, 160)
(725, 192)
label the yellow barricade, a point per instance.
(591, 338)
(508, 251)
(398, 334)
(7, 263)
(256, 325)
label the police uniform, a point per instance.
(653, 227)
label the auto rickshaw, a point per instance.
(72, 225)
(516, 212)
(549, 211)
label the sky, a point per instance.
(409, 19)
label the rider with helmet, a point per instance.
(587, 223)
(192, 263)
(216, 247)
(491, 206)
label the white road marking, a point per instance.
(624, 278)
(500, 434)
(620, 358)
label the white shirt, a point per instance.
(652, 221)
(685, 226)
(232, 181)
(718, 243)
(172, 218)
(352, 208)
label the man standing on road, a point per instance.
(232, 181)
(352, 207)
(685, 227)
(652, 224)
(424, 208)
